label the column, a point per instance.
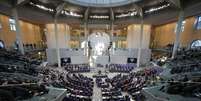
(56, 38)
(141, 40)
(86, 39)
(178, 33)
(111, 36)
(18, 30)
(67, 36)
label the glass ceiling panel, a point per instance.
(102, 3)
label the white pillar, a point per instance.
(112, 31)
(18, 30)
(112, 37)
(67, 36)
(178, 33)
(57, 46)
(86, 39)
(141, 40)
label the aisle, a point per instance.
(97, 94)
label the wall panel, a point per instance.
(30, 32)
(165, 34)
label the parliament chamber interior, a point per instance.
(100, 50)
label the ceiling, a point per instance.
(101, 3)
(155, 12)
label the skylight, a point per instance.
(102, 3)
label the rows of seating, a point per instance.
(12, 62)
(109, 93)
(19, 86)
(29, 46)
(101, 83)
(185, 86)
(186, 68)
(17, 76)
(122, 68)
(16, 56)
(128, 83)
(77, 68)
(79, 87)
(135, 81)
(112, 94)
(186, 61)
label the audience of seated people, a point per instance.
(19, 71)
(77, 68)
(123, 68)
(185, 86)
(101, 83)
(134, 82)
(128, 83)
(29, 46)
(18, 86)
(79, 87)
(112, 94)
(109, 93)
(186, 80)
(14, 62)
(131, 83)
(186, 68)
(186, 61)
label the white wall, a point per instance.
(63, 36)
(102, 60)
(133, 37)
(120, 56)
(77, 56)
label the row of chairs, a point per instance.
(184, 86)
(15, 86)
(102, 84)
(112, 94)
(12, 61)
(186, 69)
(77, 68)
(186, 61)
(79, 87)
(185, 81)
(134, 82)
(122, 68)
(109, 93)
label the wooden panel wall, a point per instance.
(31, 33)
(165, 34)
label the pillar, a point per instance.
(141, 40)
(112, 37)
(67, 36)
(178, 33)
(57, 46)
(86, 39)
(18, 30)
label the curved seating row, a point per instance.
(77, 68)
(122, 68)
